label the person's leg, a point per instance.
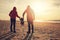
(14, 23)
(28, 27)
(11, 25)
(32, 28)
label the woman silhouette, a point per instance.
(30, 18)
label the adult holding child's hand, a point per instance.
(22, 21)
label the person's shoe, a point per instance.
(28, 32)
(14, 31)
(32, 31)
(11, 31)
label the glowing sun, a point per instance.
(39, 6)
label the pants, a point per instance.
(12, 26)
(29, 27)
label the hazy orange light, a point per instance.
(39, 7)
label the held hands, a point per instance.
(22, 21)
(19, 17)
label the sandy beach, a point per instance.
(42, 31)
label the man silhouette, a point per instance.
(30, 18)
(13, 14)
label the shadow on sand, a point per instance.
(7, 36)
(28, 36)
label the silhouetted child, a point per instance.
(13, 14)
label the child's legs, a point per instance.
(14, 24)
(11, 23)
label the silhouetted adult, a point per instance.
(13, 14)
(30, 18)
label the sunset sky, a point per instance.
(43, 9)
